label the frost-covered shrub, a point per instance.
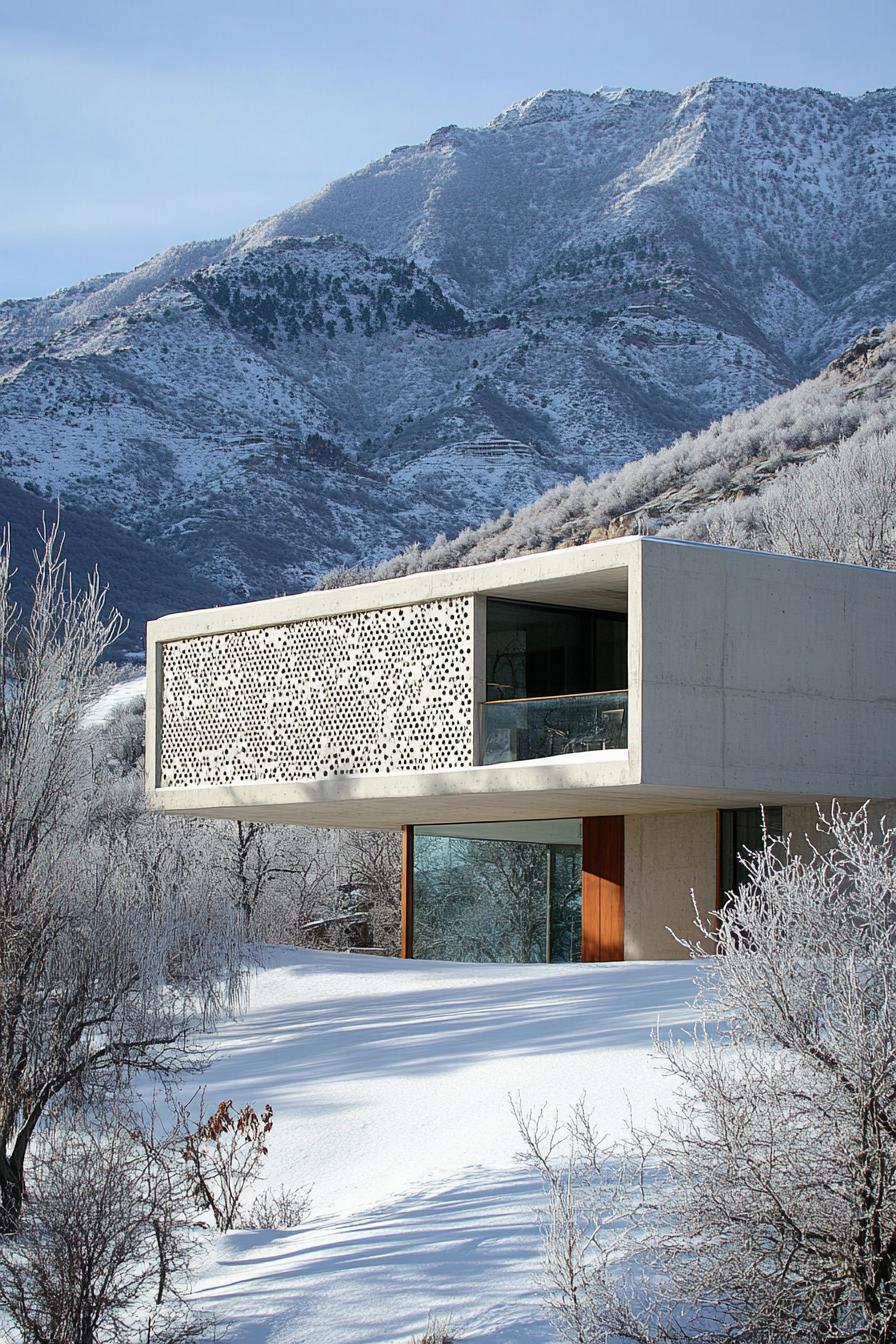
(763, 1205)
(277, 1209)
(841, 506)
(102, 1248)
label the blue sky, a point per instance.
(129, 125)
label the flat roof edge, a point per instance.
(405, 589)
(458, 581)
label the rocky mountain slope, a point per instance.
(714, 485)
(143, 581)
(459, 326)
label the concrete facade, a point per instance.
(355, 693)
(667, 856)
(753, 679)
(774, 677)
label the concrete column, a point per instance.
(667, 855)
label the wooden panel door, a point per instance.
(603, 888)
(407, 891)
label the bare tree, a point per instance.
(113, 944)
(276, 876)
(373, 859)
(288, 884)
(101, 1250)
(765, 1204)
(224, 1154)
(312, 887)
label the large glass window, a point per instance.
(556, 681)
(741, 830)
(535, 651)
(507, 891)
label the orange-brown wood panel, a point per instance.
(603, 888)
(407, 891)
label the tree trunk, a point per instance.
(12, 1193)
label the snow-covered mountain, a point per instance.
(459, 326)
(143, 581)
(725, 471)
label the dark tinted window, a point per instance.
(538, 651)
(741, 830)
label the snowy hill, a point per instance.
(678, 491)
(390, 1084)
(586, 277)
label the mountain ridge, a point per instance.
(583, 278)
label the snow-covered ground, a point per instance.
(122, 693)
(390, 1084)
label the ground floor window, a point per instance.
(503, 891)
(741, 830)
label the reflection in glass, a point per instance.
(524, 730)
(505, 892)
(742, 832)
(565, 903)
(535, 651)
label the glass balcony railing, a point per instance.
(525, 730)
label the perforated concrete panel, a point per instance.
(361, 693)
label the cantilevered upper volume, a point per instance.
(526, 704)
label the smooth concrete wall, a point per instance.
(667, 856)
(767, 675)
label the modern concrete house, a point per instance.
(570, 742)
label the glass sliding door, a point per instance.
(507, 891)
(741, 832)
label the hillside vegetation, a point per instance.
(809, 472)
(144, 581)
